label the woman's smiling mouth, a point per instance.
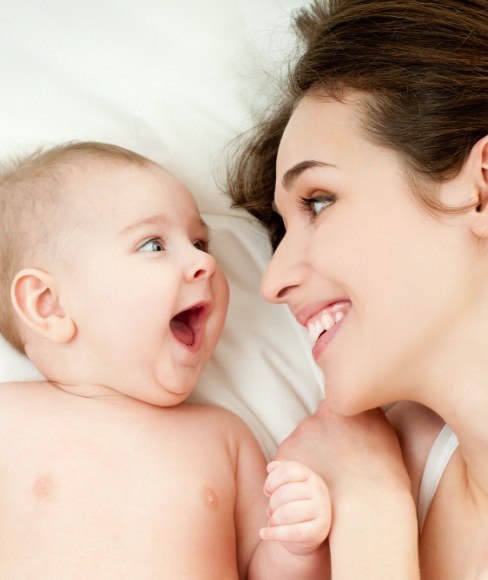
(324, 323)
(322, 320)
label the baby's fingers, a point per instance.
(299, 511)
(292, 513)
(308, 534)
(282, 472)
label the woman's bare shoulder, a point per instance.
(417, 428)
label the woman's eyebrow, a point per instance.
(204, 225)
(294, 172)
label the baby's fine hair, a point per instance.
(31, 192)
(421, 68)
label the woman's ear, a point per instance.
(479, 163)
(35, 300)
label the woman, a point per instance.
(372, 181)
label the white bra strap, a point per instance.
(439, 456)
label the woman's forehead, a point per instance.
(318, 130)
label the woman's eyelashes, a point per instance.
(313, 206)
(202, 245)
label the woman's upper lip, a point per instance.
(304, 314)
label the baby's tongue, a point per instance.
(181, 331)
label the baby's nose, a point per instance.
(202, 266)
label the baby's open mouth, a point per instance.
(186, 325)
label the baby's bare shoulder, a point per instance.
(223, 425)
(209, 412)
(17, 386)
(19, 392)
(216, 419)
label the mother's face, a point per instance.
(361, 259)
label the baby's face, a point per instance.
(147, 298)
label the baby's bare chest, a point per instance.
(151, 491)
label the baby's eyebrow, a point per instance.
(150, 220)
(158, 220)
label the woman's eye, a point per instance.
(314, 206)
(153, 245)
(201, 245)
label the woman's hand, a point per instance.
(348, 451)
(374, 524)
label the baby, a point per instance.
(108, 287)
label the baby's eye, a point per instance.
(202, 245)
(314, 206)
(154, 245)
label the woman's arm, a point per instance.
(374, 525)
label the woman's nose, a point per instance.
(284, 272)
(200, 266)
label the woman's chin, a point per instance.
(345, 399)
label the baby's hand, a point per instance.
(299, 512)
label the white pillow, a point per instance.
(175, 81)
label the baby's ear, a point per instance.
(478, 159)
(35, 300)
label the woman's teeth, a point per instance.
(324, 323)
